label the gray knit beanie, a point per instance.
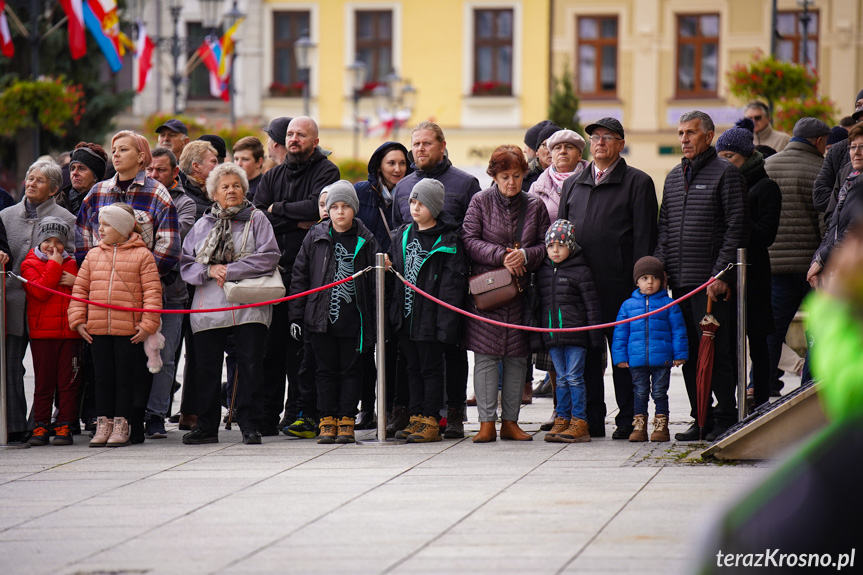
(430, 193)
(53, 227)
(342, 191)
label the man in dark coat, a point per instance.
(827, 183)
(288, 194)
(613, 209)
(703, 220)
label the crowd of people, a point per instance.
(555, 242)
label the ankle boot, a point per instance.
(328, 430)
(660, 429)
(411, 427)
(560, 425)
(427, 432)
(577, 432)
(120, 433)
(399, 420)
(487, 432)
(510, 430)
(526, 395)
(187, 422)
(346, 431)
(104, 428)
(639, 428)
(454, 422)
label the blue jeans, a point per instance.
(571, 395)
(659, 390)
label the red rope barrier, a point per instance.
(555, 329)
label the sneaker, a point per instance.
(304, 427)
(40, 436)
(199, 436)
(63, 434)
(155, 428)
(251, 437)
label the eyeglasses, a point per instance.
(756, 118)
(605, 138)
(856, 148)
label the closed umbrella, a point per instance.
(704, 373)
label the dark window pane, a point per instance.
(709, 66)
(688, 26)
(385, 65)
(365, 26)
(504, 65)
(385, 25)
(609, 28)
(588, 28)
(484, 63)
(504, 24)
(587, 68)
(710, 26)
(785, 50)
(785, 24)
(686, 68)
(608, 72)
(484, 23)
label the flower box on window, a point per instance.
(292, 90)
(491, 89)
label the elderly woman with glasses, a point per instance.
(566, 148)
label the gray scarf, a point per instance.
(218, 248)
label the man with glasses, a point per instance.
(827, 183)
(613, 209)
(765, 135)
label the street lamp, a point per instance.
(396, 98)
(233, 16)
(210, 15)
(176, 6)
(303, 50)
(805, 18)
(358, 77)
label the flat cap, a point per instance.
(608, 123)
(810, 128)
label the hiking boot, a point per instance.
(510, 430)
(639, 428)
(346, 430)
(660, 429)
(427, 432)
(454, 422)
(104, 428)
(155, 428)
(328, 430)
(304, 427)
(40, 436)
(560, 424)
(200, 436)
(412, 426)
(577, 432)
(63, 434)
(120, 434)
(487, 432)
(398, 420)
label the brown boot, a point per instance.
(639, 428)
(454, 422)
(560, 424)
(328, 430)
(660, 429)
(413, 425)
(427, 432)
(187, 422)
(399, 420)
(104, 428)
(346, 431)
(510, 430)
(526, 394)
(487, 432)
(120, 433)
(577, 432)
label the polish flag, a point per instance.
(6, 46)
(144, 55)
(74, 10)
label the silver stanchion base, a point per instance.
(379, 442)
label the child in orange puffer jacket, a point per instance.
(54, 345)
(119, 271)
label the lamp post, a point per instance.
(176, 6)
(396, 96)
(303, 49)
(232, 17)
(805, 18)
(210, 15)
(358, 76)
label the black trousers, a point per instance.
(724, 380)
(624, 393)
(759, 353)
(398, 392)
(307, 402)
(425, 376)
(209, 354)
(189, 396)
(122, 379)
(340, 374)
(456, 375)
(282, 357)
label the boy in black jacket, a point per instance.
(340, 320)
(429, 253)
(569, 299)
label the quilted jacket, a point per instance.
(47, 313)
(654, 341)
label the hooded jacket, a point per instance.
(443, 274)
(655, 341)
(375, 212)
(47, 313)
(119, 274)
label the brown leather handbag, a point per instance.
(497, 288)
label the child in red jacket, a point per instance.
(55, 346)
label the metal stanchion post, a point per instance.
(4, 427)
(380, 274)
(742, 371)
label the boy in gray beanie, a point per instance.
(429, 192)
(342, 191)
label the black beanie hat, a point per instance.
(533, 132)
(859, 96)
(545, 133)
(648, 265)
(218, 143)
(92, 160)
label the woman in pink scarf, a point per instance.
(566, 147)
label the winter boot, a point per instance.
(454, 422)
(639, 428)
(104, 429)
(510, 430)
(577, 432)
(40, 436)
(120, 435)
(328, 430)
(346, 431)
(560, 425)
(62, 434)
(487, 432)
(428, 431)
(412, 426)
(398, 420)
(660, 429)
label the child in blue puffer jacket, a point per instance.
(650, 347)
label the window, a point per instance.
(597, 56)
(789, 45)
(492, 56)
(199, 78)
(375, 45)
(288, 27)
(697, 56)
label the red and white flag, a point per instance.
(6, 46)
(144, 56)
(74, 10)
